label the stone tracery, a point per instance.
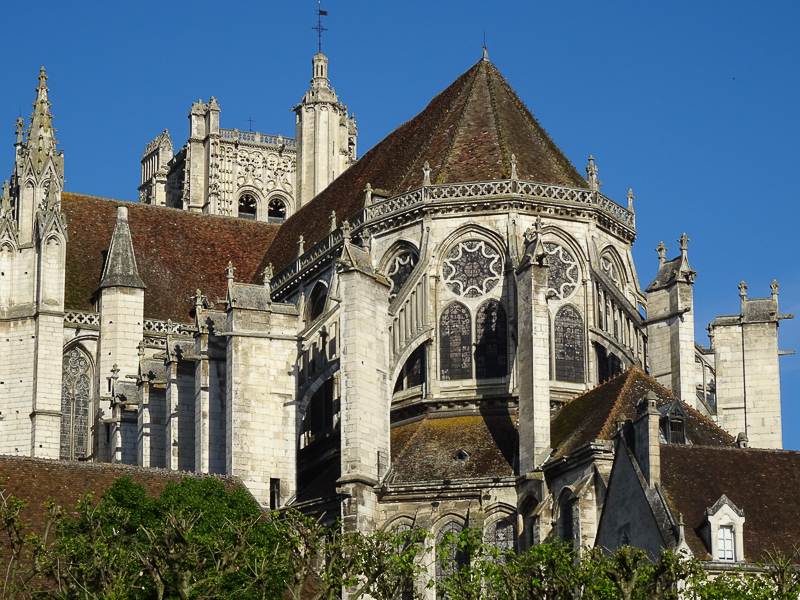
(472, 269)
(563, 274)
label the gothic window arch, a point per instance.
(316, 302)
(455, 342)
(563, 274)
(76, 378)
(565, 524)
(502, 535)
(568, 345)
(491, 333)
(277, 210)
(472, 268)
(456, 560)
(399, 268)
(248, 207)
(611, 267)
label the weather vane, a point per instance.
(319, 28)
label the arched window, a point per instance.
(455, 339)
(248, 207)
(76, 380)
(413, 373)
(566, 517)
(399, 268)
(501, 535)
(316, 303)
(276, 210)
(568, 342)
(456, 559)
(491, 352)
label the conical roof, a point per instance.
(467, 133)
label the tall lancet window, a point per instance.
(568, 345)
(76, 381)
(491, 351)
(455, 331)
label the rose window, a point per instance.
(563, 274)
(472, 269)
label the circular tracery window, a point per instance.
(472, 269)
(563, 274)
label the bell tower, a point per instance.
(326, 135)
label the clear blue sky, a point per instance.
(691, 104)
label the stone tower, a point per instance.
(326, 135)
(670, 324)
(33, 237)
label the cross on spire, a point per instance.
(319, 28)
(743, 290)
(662, 251)
(684, 242)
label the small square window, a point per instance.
(725, 543)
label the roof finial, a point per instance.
(743, 290)
(301, 247)
(513, 166)
(631, 198)
(591, 175)
(333, 221)
(662, 252)
(684, 242)
(319, 28)
(426, 174)
(368, 195)
(485, 51)
(346, 231)
(229, 271)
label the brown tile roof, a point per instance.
(428, 454)
(594, 414)
(177, 252)
(468, 132)
(39, 480)
(763, 483)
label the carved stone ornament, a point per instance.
(472, 269)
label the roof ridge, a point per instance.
(629, 372)
(414, 435)
(478, 67)
(533, 121)
(498, 125)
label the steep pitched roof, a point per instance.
(176, 252)
(38, 480)
(763, 483)
(427, 449)
(467, 133)
(594, 414)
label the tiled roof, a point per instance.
(593, 415)
(429, 449)
(763, 483)
(39, 480)
(177, 252)
(467, 133)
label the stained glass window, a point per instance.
(491, 352)
(501, 535)
(75, 395)
(568, 342)
(399, 270)
(472, 269)
(456, 560)
(455, 332)
(563, 273)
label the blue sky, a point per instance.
(691, 104)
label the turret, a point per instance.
(326, 135)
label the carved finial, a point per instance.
(662, 252)
(774, 287)
(426, 174)
(301, 246)
(115, 372)
(684, 242)
(591, 174)
(366, 239)
(485, 53)
(631, 198)
(346, 230)
(333, 221)
(5, 207)
(268, 274)
(51, 203)
(20, 129)
(743, 290)
(229, 271)
(513, 166)
(368, 195)
(42, 87)
(141, 350)
(198, 300)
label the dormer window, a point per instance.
(673, 423)
(676, 433)
(724, 532)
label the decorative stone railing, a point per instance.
(77, 317)
(478, 190)
(156, 326)
(254, 137)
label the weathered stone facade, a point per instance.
(417, 345)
